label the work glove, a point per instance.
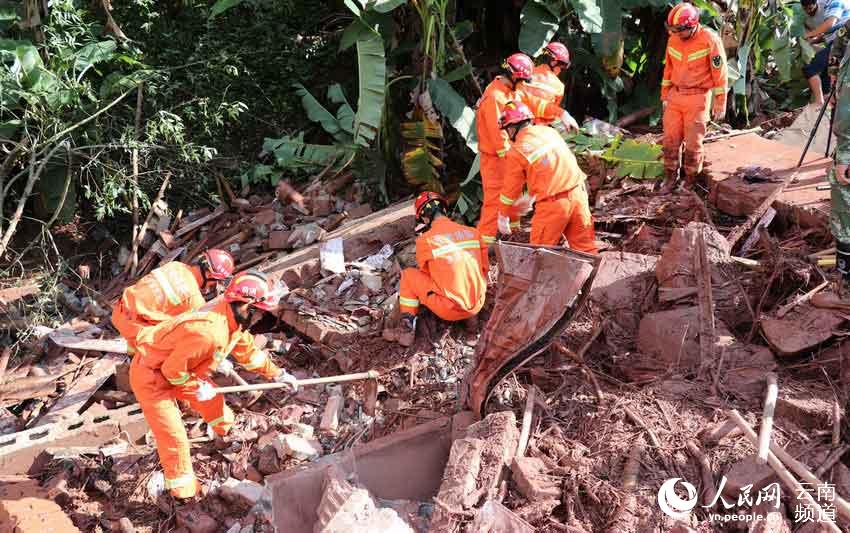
(289, 379)
(841, 174)
(524, 204)
(718, 114)
(205, 391)
(504, 224)
(569, 122)
(225, 367)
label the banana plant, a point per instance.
(351, 130)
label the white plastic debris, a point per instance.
(332, 257)
(377, 260)
(156, 484)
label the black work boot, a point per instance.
(407, 330)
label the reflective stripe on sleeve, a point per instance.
(180, 380)
(166, 287)
(257, 360)
(408, 302)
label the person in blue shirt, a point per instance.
(823, 18)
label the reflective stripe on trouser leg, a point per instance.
(421, 286)
(674, 133)
(696, 122)
(172, 446)
(491, 181)
(409, 290)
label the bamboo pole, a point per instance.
(371, 374)
(777, 457)
(767, 417)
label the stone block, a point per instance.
(531, 480)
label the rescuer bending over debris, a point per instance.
(168, 291)
(175, 358)
(493, 143)
(545, 81)
(540, 157)
(451, 279)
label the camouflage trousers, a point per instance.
(839, 217)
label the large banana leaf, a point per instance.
(383, 6)
(454, 108)
(609, 43)
(539, 22)
(221, 6)
(636, 159)
(589, 15)
(372, 87)
(318, 113)
(293, 152)
(344, 114)
(91, 54)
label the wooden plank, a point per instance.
(172, 255)
(201, 221)
(79, 393)
(707, 334)
(12, 294)
(79, 344)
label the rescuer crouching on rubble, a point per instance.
(176, 357)
(168, 291)
(451, 279)
(540, 157)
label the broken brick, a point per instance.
(297, 447)
(330, 418)
(195, 520)
(278, 240)
(322, 205)
(809, 408)
(531, 481)
(359, 211)
(803, 329)
(268, 462)
(245, 492)
(26, 508)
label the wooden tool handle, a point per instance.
(372, 374)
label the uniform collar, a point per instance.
(224, 308)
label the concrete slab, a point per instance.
(407, 465)
(19, 451)
(801, 201)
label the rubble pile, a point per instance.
(683, 326)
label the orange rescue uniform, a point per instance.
(541, 158)
(694, 71)
(545, 84)
(171, 357)
(493, 143)
(451, 279)
(165, 292)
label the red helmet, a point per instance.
(682, 17)
(220, 264)
(427, 198)
(558, 52)
(520, 66)
(515, 113)
(253, 288)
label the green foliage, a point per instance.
(372, 89)
(581, 142)
(454, 109)
(221, 6)
(635, 159)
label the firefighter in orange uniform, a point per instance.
(493, 143)
(694, 82)
(545, 81)
(451, 279)
(168, 291)
(540, 157)
(175, 358)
